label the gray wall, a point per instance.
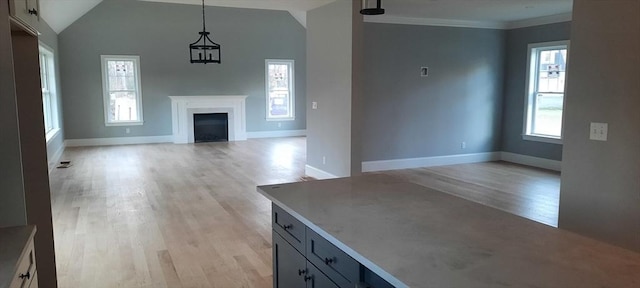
(600, 193)
(514, 88)
(49, 38)
(330, 36)
(160, 33)
(408, 116)
(12, 198)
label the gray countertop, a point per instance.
(13, 241)
(413, 236)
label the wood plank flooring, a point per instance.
(169, 215)
(525, 191)
(188, 215)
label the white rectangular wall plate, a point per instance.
(598, 131)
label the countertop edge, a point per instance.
(355, 255)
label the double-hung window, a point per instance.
(280, 89)
(48, 85)
(545, 91)
(122, 94)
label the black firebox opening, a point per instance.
(210, 127)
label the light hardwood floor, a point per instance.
(169, 215)
(188, 215)
(525, 191)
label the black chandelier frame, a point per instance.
(204, 50)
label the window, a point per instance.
(48, 85)
(122, 94)
(280, 89)
(545, 91)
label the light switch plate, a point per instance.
(314, 105)
(599, 131)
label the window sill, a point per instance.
(124, 124)
(545, 139)
(52, 134)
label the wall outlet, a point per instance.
(463, 145)
(314, 105)
(324, 160)
(279, 125)
(128, 130)
(599, 131)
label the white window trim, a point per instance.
(292, 86)
(105, 89)
(528, 100)
(53, 91)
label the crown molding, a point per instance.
(386, 19)
(539, 21)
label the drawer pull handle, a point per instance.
(22, 276)
(287, 227)
(33, 11)
(302, 271)
(307, 278)
(328, 261)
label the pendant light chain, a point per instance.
(204, 27)
(204, 50)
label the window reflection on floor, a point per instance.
(282, 155)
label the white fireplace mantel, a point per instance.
(183, 108)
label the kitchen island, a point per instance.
(405, 235)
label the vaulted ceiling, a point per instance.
(59, 14)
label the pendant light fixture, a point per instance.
(368, 9)
(204, 50)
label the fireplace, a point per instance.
(210, 127)
(183, 109)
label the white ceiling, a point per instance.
(482, 13)
(59, 14)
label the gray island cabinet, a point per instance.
(381, 231)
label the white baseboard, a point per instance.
(118, 141)
(531, 161)
(317, 173)
(56, 156)
(372, 166)
(276, 134)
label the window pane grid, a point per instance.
(547, 87)
(47, 109)
(122, 95)
(551, 70)
(279, 89)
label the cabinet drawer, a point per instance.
(288, 227)
(340, 267)
(26, 268)
(372, 280)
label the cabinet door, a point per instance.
(19, 9)
(26, 11)
(289, 266)
(317, 279)
(33, 9)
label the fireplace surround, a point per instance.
(183, 108)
